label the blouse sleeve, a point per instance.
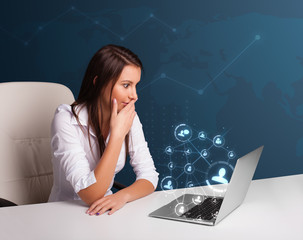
(68, 152)
(140, 158)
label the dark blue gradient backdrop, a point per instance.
(224, 67)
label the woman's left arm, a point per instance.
(144, 168)
(114, 202)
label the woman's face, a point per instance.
(125, 88)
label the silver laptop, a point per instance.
(208, 209)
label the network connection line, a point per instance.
(42, 27)
(214, 169)
(257, 37)
(92, 20)
(164, 76)
(136, 28)
(11, 35)
(198, 151)
(163, 23)
(201, 91)
(96, 22)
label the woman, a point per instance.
(91, 138)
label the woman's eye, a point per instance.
(125, 85)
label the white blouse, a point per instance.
(74, 162)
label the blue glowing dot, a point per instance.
(257, 37)
(163, 75)
(200, 91)
(121, 38)
(72, 8)
(96, 22)
(174, 30)
(151, 15)
(40, 28)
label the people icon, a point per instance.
(198, 199)
(169, 150)
(220, 178)
(205, 153)
(215, 214)
(184, 132)
(171, 165)
(231, 154)
(218, 141)
(188, 151)
(181, 210)
(189, 168)
(202, 135)
(169, 185)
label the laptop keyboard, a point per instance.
(206, 210)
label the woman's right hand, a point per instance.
(120, 123)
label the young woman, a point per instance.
(91, 138)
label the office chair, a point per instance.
(27, 109)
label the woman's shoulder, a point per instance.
(65, 116)
(62, 116)
(63, 111)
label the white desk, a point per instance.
(273, 209)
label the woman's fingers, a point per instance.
(133, 115)
(121, 123)
(110, 203)
(130, 106)
(94, 206)
(102, 208)
(112, 211)
(115, 108)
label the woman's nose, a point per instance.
(133, 95)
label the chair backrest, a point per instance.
(26, 112)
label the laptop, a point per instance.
(211, 209)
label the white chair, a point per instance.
(26, 112)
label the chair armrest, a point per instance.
(6, 203)
(118, 185)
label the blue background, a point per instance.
(224, 67)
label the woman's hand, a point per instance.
(111, 202)
(120, 123)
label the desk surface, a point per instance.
(272, 209)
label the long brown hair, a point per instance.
(107, 65)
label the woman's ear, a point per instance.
(94, 81)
